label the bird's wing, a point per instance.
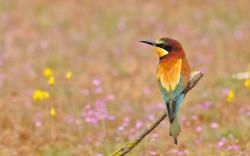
(169, 72)
(185, 71)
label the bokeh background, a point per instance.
(74, 79)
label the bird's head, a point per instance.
(165, 46)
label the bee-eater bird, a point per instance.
(173, 74)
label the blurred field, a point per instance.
(113, 92)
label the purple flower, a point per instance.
(38, 123)
(101, 115)
(93, 114)
(138, 124)
(151, 117)
(197, 141)
(179, 151)
(225, 91)
(241, 110)
(126, 120)
(98, 89)
(124, 124)
(183, 152)
(235, 147)
(100, 104)
(96, 82)
(160, 105)
(198, 129)
(91, 120)
(221, 143)
(110, 97)
(206, 105)
(111, 118)
(245, 110)
(153, 153)
(120, 128)
(38, 114)
(90, 113)
(214, 125)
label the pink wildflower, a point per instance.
(214, 125)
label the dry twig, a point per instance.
(131, 144)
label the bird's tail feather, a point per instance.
(171, 110)
(168, 111)
(173, 115)
(175, 140)
(175, 128)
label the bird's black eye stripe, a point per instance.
(160, 45)
(165, 46)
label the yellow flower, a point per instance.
(40, 95)
(68, 75)
(247, 83)
(52, 112)
(222, 154)
(47, 72)
(46, 95)
(37, 95)
(230, 96)
(51, 81)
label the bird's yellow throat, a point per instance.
(161, 52)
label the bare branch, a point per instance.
(131, 144)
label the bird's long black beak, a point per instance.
(152, 43)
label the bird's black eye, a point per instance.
(165, 46)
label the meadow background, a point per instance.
(75, 80)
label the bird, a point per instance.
(173, 73)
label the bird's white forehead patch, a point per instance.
(159, 41)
